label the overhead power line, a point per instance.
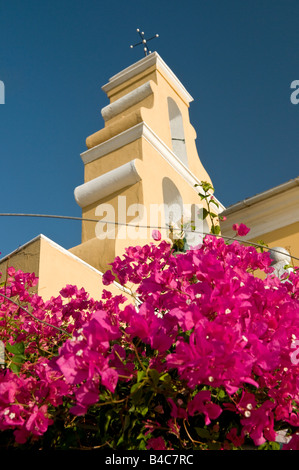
(83, 219)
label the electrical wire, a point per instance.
(82, 219)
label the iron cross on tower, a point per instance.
(144, 41)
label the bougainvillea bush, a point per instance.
(202, 356)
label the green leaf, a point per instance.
(264, 245)
(203, 214)
(269, 446)
(214, 202)
(165, 377)
(143, 410)
(221, 394)
(17, 362)
(17, 348)
(215, 230)
(19, 358)
(204, 433)
(15, 368)
(108, 419)
(135, 387)
(136, 393)
(206, 186)
(142, 445)
(155, 376)
(120, 440)
(127, 422)
(140, 375)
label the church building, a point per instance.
(141, 171)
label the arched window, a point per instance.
(177, 131)
(173, 202)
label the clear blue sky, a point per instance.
(236, 58)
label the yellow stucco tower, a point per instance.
(144, 157)
(140, 169)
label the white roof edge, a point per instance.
(55, 245)
(262, 196)
(65, 251)
(21, 247)
(70, 255)
(139, 67)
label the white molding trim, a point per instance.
(139, 67)
(104, 185)
(262, 196)
(269, 211)
(173, 160)
(70, 254)
(54, 245)
(125, 102)
(67, 253)
(116, 142)
(136, 132)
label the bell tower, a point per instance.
(145, 156)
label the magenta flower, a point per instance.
(12, 416)
(233, 436)
(293, 444)
(156, 235)
(108, 278)
(258, 423)
(21, 435)
(72, 367)
(241, 229)
(202, 404)
(8, 389)
(38, 422)
(177, 411)
(156, 443)
(109, 379)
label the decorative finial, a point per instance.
(144, 41)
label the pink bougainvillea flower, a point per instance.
(8, 389)
(108, 278)
(241, 229)
(21, 435)
(258, 423)
(88, 393)
(177, 411)
(246, 403)
(202, 403)
(71, 365)
(293, 444)
(232, 435)
(11, 416)
(109, 379)
(156, 235)
(156, 443)
(38, 422)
